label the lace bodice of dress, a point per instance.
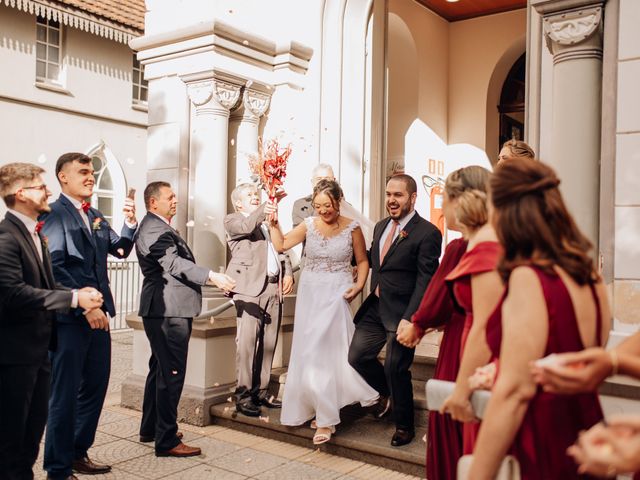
(332, 254)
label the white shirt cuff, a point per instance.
(133, 226)
(74, 299)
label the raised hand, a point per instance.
(129, 210)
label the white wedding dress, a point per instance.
(320, 380)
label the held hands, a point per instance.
(605, 450)
(129, 210)
(287, 285)
(571, 373)
(352, 293)
(459, 407)
(222, 281)
(89, 298)
(408, 334)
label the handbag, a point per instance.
(439, 390)
(509, 468)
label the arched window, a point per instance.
(511, 106)
(111, 185)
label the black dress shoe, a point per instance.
(402, 437)
(88, 467)
(383, 408)
(248, 408)
(271, 401)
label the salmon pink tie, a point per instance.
(387, 246)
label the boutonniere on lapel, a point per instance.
(402, 235)
(44, 238)
(97, 224)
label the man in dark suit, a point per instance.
(80, 238)
(262, 277)
(29, 296)
(302, 207)
(171, 296)
(404, 255)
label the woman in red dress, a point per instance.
(477, 288)
(437, 311)
(555, 302)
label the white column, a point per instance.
(574, 37)
(212, 99)
(244, 135)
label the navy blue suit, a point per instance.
(81, 363)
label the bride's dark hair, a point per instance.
(332, 189)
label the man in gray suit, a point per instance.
(171, 296)
(262, 277)
(302, 207)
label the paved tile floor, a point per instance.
(226, 454)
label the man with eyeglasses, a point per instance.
(29, 296)
(80, 239)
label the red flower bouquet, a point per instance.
(270, 168)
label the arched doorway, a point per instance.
(512, 103)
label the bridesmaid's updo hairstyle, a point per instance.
(331, 188)
(519, 149)
(469, 186)
(533, 224)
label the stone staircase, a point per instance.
(360, 436)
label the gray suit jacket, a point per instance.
(172, 280)
(248, 245)
(301, 209)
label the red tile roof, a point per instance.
(126, 12)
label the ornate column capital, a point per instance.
(200, 92)
(213, 96)
(226, 94)
(256, 102)
(574, 34)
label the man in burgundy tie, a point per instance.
(80, 239)
(403, 256)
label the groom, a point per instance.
(403, 256)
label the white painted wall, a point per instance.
(627, 181)
(38, 125)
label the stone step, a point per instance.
(359, 436)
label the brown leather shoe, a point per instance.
(88, 467)
(152, 438)
(180, 450)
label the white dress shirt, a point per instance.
(401, 224)
(273, 264)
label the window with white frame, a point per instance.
(139, 84)
(103, 194)
(48, 54)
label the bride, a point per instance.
(320, 380)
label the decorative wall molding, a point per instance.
(75, 18)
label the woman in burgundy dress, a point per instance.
(437, 311)
(555, 302)
(477, 288)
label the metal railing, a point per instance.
(125, 280)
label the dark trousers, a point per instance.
(169, 340)
(394, 378)
(24, 394)
(258, 323)
(80, 366)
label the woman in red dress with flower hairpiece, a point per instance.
(555, 302)
(477, 288)
(437, 311)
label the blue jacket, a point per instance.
(78, 256)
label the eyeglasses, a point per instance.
(42, 187)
